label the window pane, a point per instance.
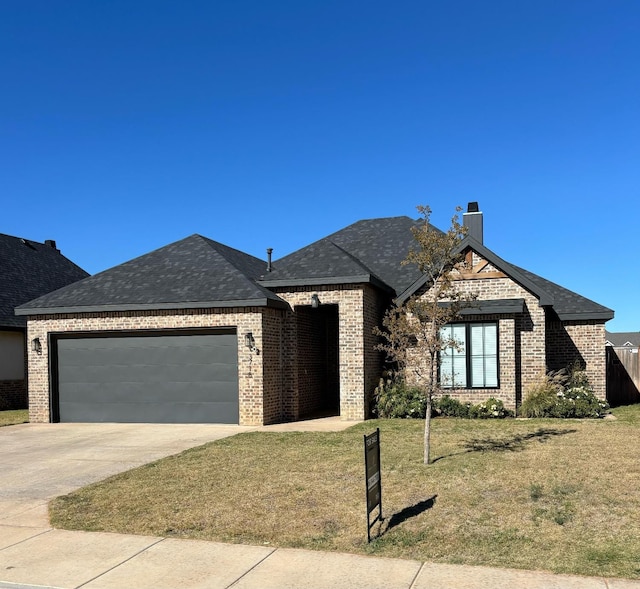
(458, 334)
(491, 372)
(477, 371)
(453, 369)
(445, 370)
(477, 343)
(491, 340)
(484, 355)
(460, 371)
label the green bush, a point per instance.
(394, 398)
(490, 409)
(450, 407)
(563, 395)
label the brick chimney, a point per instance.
(472, 220)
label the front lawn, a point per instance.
(14, 417)
(534, 494)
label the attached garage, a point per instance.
(183, 334)
(146, 377)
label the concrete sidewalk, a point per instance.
(43, 557)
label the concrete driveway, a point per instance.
(41, 461)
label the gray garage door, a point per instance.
(153, 379)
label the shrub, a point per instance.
(450, 407)
(542, 397)
(490, 409)
(561, 394)
(394, 398)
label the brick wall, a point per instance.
(259, 385)
(13, 394)
(13, 391)
(13, 388)
(273, 403)
(522, 354)
(359, 364)
(582, 341)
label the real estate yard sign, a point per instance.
(372, 478)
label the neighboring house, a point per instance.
(199, 332)
(28, 269)
(628, 340)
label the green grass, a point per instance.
(558, 495)
(14, 417)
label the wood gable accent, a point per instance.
(477, 268)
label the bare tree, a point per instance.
(411, 334)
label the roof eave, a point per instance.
(402, 298)
(263, 302)
(332, 280)
(590, 316)
(7, 326)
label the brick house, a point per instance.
(28, 269)
(197, 331)
(520, 326)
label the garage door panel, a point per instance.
(153, 347)
(139, 413)
(139, 393)
(149, 374)
(160, 379)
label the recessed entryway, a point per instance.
(318, 360)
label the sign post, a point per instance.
(372, 478)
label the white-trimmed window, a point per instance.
(473, 362)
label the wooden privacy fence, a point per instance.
(623, 376)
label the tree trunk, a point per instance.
(433, 376)
(427, 431)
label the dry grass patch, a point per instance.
(14, 417)
(534, 494)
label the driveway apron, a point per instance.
(41, 461)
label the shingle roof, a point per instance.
(621, 338)
(367, 251)
(567, 304)
(29, 269)
(195, 272)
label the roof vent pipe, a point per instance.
(269, 252)
(472, 220)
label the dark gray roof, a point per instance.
(195, 272)
(29, 269)
(567, 304)
(367, 251)
(620, 339)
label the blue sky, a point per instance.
(126, 125)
